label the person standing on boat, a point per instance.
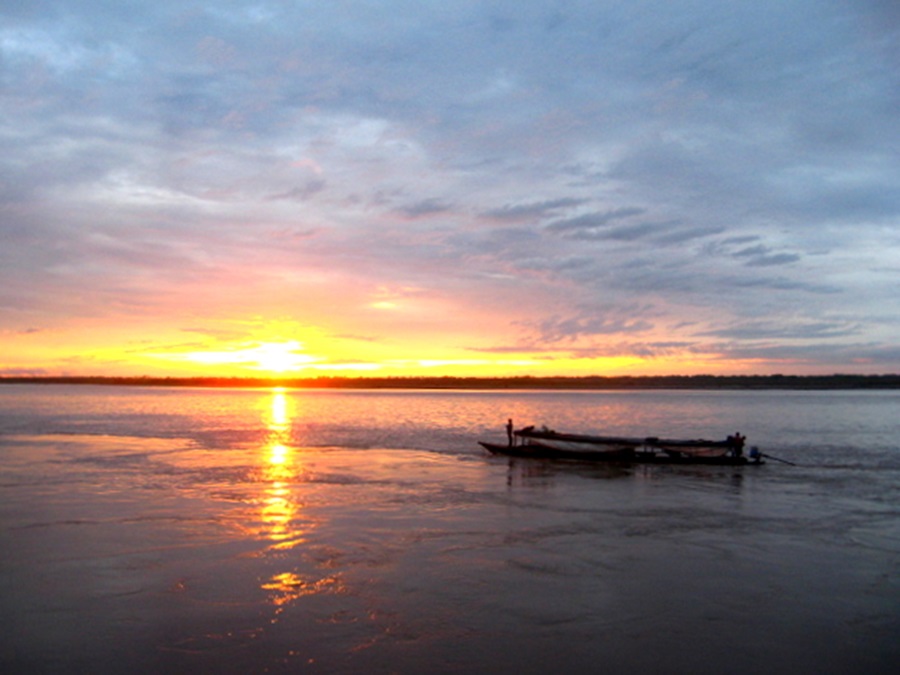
(509, 431)
(737, 444)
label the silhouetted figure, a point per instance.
(509, 431)
(737, 444)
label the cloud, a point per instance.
(532, 210)
(843, 357)
(556, 329)
(426, 207)
(588, 224)
(784, 284)
(798, 329)
(774, 259)
(762, 256)
(301, 192)
(750, 251)
(725, 165)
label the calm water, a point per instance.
(218, 531)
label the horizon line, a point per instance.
(703, 381)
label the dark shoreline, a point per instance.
(822, 382)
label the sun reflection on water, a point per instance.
(281, 468)
(284, 524)
(288, 586)
(279, 414)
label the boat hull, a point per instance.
(625, 455)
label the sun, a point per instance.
(269, 357)
(279, 357)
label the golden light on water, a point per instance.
(278, 455)
(288, 586)
(279, 412)
(281, 467)
(281, 515)
(277, 514)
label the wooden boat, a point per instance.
(547, 444)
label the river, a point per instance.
(148, 530)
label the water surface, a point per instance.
(175, 530)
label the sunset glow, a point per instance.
(269, 357)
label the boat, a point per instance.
(547, 444)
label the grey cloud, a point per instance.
(293, 234)
(835, 357)
(664, 233)
(644, 349)
(594, 320)
(756, 255)
(590, 222)
(757, 330)
(774, 260)
(623, 233)
(532, 210)
(426, 207)
(301, 192)
(681, 235)
(555, 330)
(763, 256)
(752, 252)
(738, 241)
(784, 284)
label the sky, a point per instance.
(449, 187)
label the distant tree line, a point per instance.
(593, 382)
